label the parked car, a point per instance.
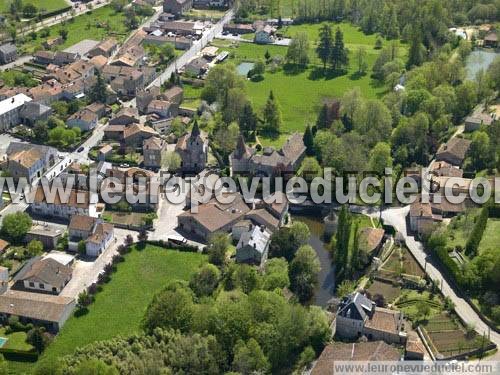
(178, 240)
(80, 149)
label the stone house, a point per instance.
(454, 151)
(264, 34)
(41, 309)
(359, 316)
(193, 150)
(146, 96)
(96, 234)
(77, 203)
(29, 161)
(153, 149)
(43, 275)
(10, 110)
(246, 160)
(162, 108)
(84, 119)
(253, 246)
(135, 134)
(362, 352)
(213, 217)
(177, 7)
(31, 112)
(8, 53)
(105, 48)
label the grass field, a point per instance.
(301, 94)
(96, 25)
(389, 291)
(119, 307)
(491, 236)
(16, 340)
(47, 5)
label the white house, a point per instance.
(44, 275)
(253, 246)
(10, 109)
(264, 34)
(77, 203)
(95, 234)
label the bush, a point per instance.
(472, 244)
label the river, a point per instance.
(324, 290)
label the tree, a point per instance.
(276, 274)
(303, 273)
(16, 225)
(29, 11)
(325, 44)
(298, 50)
(481, 152)
(380, 157)
(361, 60)
(63, 33)
(249, 358)
(205, 281)
(339, 57)
(309, 169)
(245, 277)
(82, 249)
(172, 307)
(350, 102)
(84, 299)
(248, 121)
(36, 337)
(272, 115)
(34, 248)
(308, 139)
(494, 73)
(218, 244)
(345, 288)
(98, 92)
(323, 120)
(95, 366)
(218, 83)
(286, 241)
(423, 309)
(171, 161)
(226, 138)
(374, 120)
(416, 54)
(355, 256)
(342, 239)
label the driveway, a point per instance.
(85, 272)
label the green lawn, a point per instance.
(491, 236)
(97, 25)
(47, 5)
(301, 94)
(119, 307)
(16, 340)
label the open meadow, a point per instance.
(119, 307)
(97, 25)
(45, 5)
(301, 93)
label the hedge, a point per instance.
(476, 236)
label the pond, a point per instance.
(477, 60)
(244, 68)
(326, 286)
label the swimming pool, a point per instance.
(3, 340)
(244, 68)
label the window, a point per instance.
(32, 284)
(42, 286)
(54, 289)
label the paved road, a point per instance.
(396, 217)
(85, 272)
(82, 9)
(197, 46)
